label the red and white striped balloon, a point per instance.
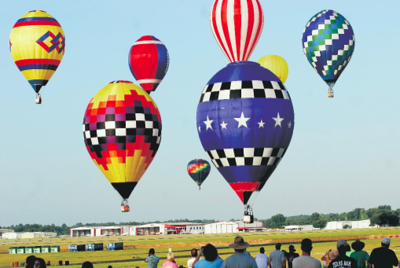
(237, 26)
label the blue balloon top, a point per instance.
(242, 71)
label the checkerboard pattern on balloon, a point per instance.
(244, 89)
(246, 156)
(328, 31)
(122, 124)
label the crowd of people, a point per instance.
(340, 257)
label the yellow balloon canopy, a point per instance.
(275, 64)
(37, 45)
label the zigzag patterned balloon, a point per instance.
(328, 43)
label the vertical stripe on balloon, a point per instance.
(237, 26)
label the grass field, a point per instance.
(136, 247)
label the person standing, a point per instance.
(170, 263)
(262, 259)
(239, 259)
(193, 253)
(359, 255)
(383, 257)
(152, 260)
(342, 260)
(277, 258)
(291, 255)
(211, 258)
(305, 260)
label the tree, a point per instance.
(343, 216)
(385, 218)
(333, 217)
(385, 207)
(276, 221)
(320, 223)
(314, 217)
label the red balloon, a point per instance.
(237, 26)
(148, 61)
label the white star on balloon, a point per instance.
(261, 124)
(208, 123)
(199, 129)
(278, 120)
(242, 120)
(289, 124)
(223, 125)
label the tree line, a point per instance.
(381, 216)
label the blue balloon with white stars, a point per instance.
(245, 121)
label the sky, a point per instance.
(343, 153)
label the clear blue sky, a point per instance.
(343, 153)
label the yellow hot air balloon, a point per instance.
(37, 45)
(122, 133)
(275, 64)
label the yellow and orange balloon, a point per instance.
(122, 133)
(37, 45)
(275, 64)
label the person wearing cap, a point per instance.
(291, 255)
(359, 255)
(239, 259)
(383, 257)
(342, 260)
(305, 260)
(277, 258)
(262, 259)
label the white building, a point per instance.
(299, 228)
(334, 225)
(99, 231)
(221, 227)
(227, 227)
(23, 235)
(168, 228)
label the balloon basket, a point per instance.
(125, 208)
(38, 99)
(330, 94)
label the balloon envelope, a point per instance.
(245, 122)
(328, 43)
(37, 45)
(148, 61)
(122, 133)
(198, 170)
(237, 26)
(275, 64)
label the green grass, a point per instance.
(138, 246)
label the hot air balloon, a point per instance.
(245, 122)
(122, 133)
(245, 116)
(37, 45)
(237, 26)
(148, 61)
(328, 43)
(275, 64)
(198, 170)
